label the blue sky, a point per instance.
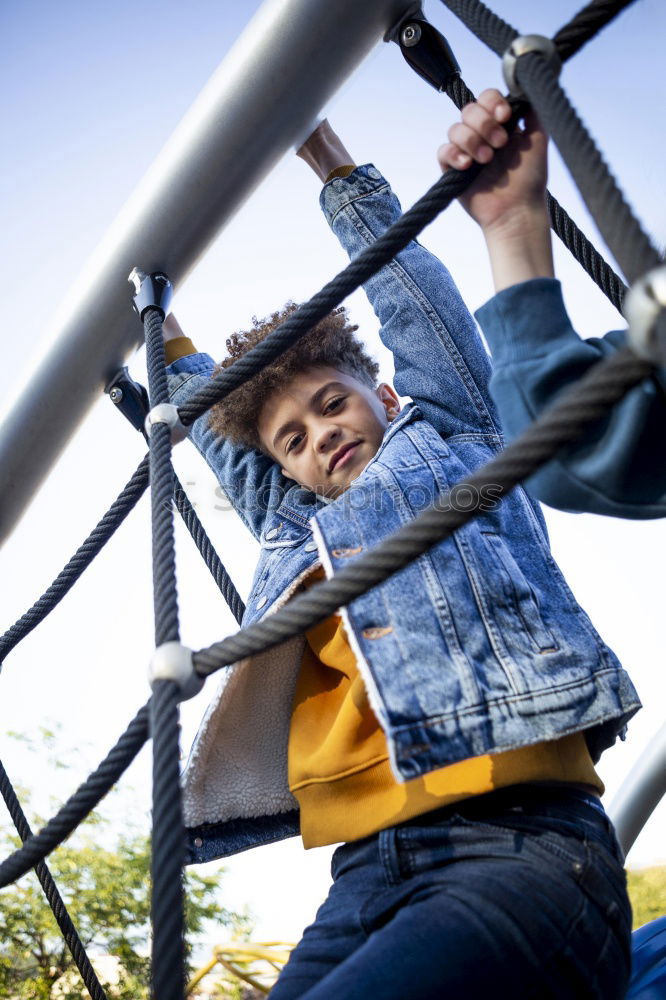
(96, 90)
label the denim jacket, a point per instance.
(476, 647)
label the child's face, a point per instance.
(325, 426)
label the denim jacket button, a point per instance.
(261, 602)
(198, 842)
(376, 631)
(311, 546)
(374, 173)
(272, 533)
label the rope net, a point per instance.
(595, 394)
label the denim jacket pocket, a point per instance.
(519, 594)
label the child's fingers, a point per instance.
(450, 155)
(495, 104)
(478, 134)
(477, 118)
(469, 141)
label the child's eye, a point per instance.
(294, 442)
(334, 404)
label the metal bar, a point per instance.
(286, 65)
(641, 792)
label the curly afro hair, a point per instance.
(330, 343)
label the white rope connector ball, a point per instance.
(173, 662)
(643, 305)
(166, 413)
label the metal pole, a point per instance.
(285, 66)
(641, 792)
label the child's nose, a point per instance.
(327, 437)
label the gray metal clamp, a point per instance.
(520, 47)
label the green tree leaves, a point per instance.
(647, 891)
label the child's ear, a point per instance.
(388, 397)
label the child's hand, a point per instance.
(514, 185)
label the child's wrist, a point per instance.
(520, 248)
(324, 151)
(171, 329)
(512, 226)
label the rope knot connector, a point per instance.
(153, 291)
(173, 662)
(166, 413)
(643, 307)
(520, 47)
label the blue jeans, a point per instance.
(517, 894)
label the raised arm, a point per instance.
(439, 358)
(508, 200)
(251, 481)
(619, 466)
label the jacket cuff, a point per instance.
(526, 321)
(340, 191)
(192, 364)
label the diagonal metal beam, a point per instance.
(286, 65)
(641, 792)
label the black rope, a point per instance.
(573, 238)
(77, 807)
(484, 23)
(498, 35)
(622, 232)
(207, 550)
(186, 510)
(168, 848)
(158, 385)
(165, 595)
(580, 406)
(79, 562)
(587, 255)
(55, 900)
(168, 844)
(587, 23)
(457, 91)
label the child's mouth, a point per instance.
(343, 456)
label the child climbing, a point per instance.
(444, 726)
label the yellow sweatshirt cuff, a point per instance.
(179, 347)
(343, 171)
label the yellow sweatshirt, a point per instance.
(339, 768)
